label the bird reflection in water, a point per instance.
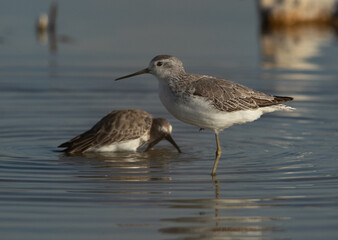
(208, 222)
(152, 165)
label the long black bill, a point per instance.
(143, 71)
(171, 140)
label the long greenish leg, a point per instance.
(218, 155)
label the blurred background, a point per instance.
(277, 176)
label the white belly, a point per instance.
(126, 146)
(200, 113)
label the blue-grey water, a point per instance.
(277, 177)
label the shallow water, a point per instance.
(277, 177)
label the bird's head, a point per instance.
(161, 129)
(162, 67)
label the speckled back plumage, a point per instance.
(117, 126)
(229, 96)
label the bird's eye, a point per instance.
(159, 64)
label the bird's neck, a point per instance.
(173, 86)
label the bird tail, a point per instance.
(277, 100)
(280, 99)
(283, 107)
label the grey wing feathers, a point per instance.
(117, 126)
(229, 96)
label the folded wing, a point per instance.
(230, 96)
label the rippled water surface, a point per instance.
(277, 177)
